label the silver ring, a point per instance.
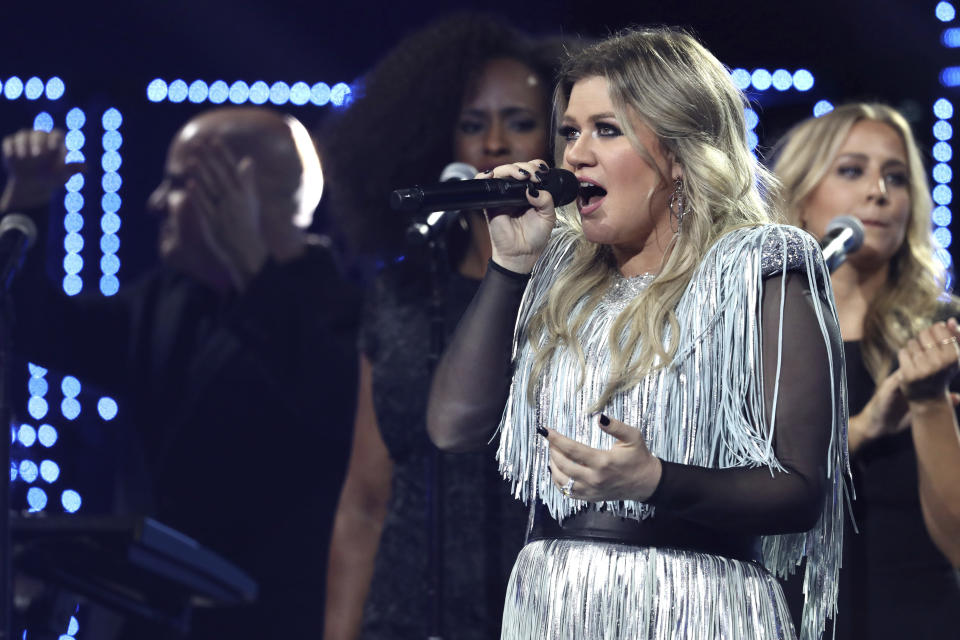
(567, 489)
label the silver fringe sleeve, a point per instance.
(705, 408)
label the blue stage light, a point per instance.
(219, 92)
(177, 91)
(75, 182)
(13, 471)
(109, 264)
(111, 120)
(73, 627)
(36, 498)
(72, 202)
(259, 92)
(942, 173)
(109, 285)
(73, 222)
(340, 94)
(70, 408)
(76, 118)
(950, 38)
(71, 501)
(13, 88)
(49, 471)
(300, 93)
(239, 92)
(111, 181)
(37, 386)
(782, 79)
(942, 194)
(942, 130)
(43, 122)
(751, 117)
(27, 435)
(33, 89)
(802, 80)
(55, 88)
(943, 237)
(822, 107)
(72, 263)
(943, 152)
(37, 408)
(72, 284)
(107, 408)
(28, 470)
(157, 90)
(110, 203)
(950, 77)
(320, 94)
(109, 243)
(198, 91)
(741, 78)
(943, 109)
(47, 435)
(279, 93)
(70, 387)
(945, 12)
(74, 140)
(760, 79)
(752, 140)
(110, 222)
(111, 161)
(75, 156)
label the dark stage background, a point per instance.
(107, 54)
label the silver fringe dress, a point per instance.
(705, 408)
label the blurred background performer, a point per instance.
(900, 339)
(648, 424)
(466, 89)
(235, 355)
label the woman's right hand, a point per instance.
(518, 238)
(885, 414)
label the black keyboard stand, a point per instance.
(133, 565)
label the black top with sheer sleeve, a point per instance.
(483, 525)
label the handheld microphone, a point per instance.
(844, 236)
(420, 231)
(17, 234)
(484, 194)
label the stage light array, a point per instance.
(942, 171)
(762, 80)
(239, 92)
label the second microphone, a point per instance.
(482, 194)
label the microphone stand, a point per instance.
(439, 269)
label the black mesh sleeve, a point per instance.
(472, 380)
(757, 500)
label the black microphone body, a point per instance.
(843, 236)
(484, 194)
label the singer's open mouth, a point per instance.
(590, 193)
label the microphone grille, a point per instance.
(853, 224)
(457, 171)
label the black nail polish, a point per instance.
(549, 471)
(524, 172)
(542, 431)
(533, 192)
(488, 171)
(544, 167)
(540, 175)
(604, 420)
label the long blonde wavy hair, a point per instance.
(909, 298)
(666, 80)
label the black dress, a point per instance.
(894, 582)
(483, 525)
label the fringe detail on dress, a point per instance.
(601, 591)
(706, 408)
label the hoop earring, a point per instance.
(678, 205)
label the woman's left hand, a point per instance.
(929, 361)
(628, 471)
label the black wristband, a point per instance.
(523, 277)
